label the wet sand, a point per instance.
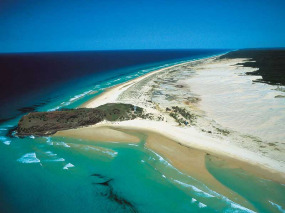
(99, 133)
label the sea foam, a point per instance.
(202, 205)
(62, 144)
(7, 142)
(277, 206)
(29, 158)
(104, 151)
(50, 153)
(199, 191)
(69, 165)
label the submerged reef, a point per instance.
(47, 123)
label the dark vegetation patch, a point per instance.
(181, 115)
(271, 63)
(47, 123)
(223, 131)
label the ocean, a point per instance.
(57, 174)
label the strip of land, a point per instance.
(166, 95)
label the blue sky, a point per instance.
(63, 25)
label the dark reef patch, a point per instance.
(110, 193)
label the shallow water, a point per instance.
(55, 174)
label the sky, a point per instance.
(74, 25)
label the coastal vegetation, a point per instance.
(181, 115)
(270, 64)
(47, 123)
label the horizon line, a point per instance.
(106, 50)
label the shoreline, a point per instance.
(262, 167)
(188, 137)
(115, 90)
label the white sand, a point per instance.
(141, 92)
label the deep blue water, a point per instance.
(31, 80)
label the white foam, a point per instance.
(166, 163)
(29, 158)
(54, 109)
(277, 206)
(233, 204)
(50, 153)
(110, 153)
(202, 205)
(14, 134)
(193, 200)
(201, 193)
(69, 165)
(62, 144)
(49, 142)
(142, 161)
(59, 159)
(237, 206)
(80, 95)
(32, 137)
(63, 104)
(163, 176)
(162, 160)
(7, 142)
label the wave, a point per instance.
(56, 160)
(62, 144)
(69, 165)
(277, 206)
(80, 95)
(199, 191)
(104, 151)
(202, 205)
(29, 158)
(233, 204)
(7, 142)
(50, 153)
(49, 142)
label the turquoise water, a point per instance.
(55, 174)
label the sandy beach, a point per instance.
(183, 128)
